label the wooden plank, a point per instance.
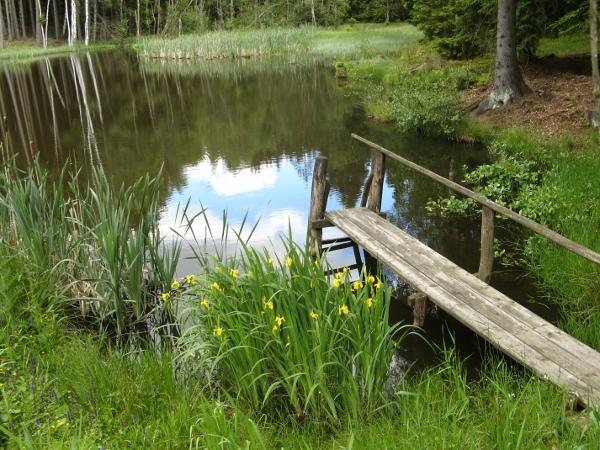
(523, 335)
(450, 277)
(522, 220)
(460, 282)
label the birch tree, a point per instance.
(87, 22)
(1, 27)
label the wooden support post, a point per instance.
(418, 302)
(376, 186)
(374, 195)
(318, 203)
(486, 259)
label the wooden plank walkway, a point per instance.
(512, 328)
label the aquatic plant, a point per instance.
(102, 245)
(280, 336)
(228, 44)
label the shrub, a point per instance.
(427, 102)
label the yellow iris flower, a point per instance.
(314, 315)
(190, 279)
(279, 320)
(343, 309)
(175, 284)
(267, 304)
(217, 331)
(165, 296)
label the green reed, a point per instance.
(102, 245)
(228, 44)
(281, 336)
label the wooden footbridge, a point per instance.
(512, 328)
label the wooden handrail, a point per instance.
(482, 200)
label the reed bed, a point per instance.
(296, 44)
(100, 245)
(228, 44)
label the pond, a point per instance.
(241, 137)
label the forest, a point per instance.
(171, 272)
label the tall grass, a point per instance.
(279, 336)
(100, 245)
(296, 44)
(227, 44)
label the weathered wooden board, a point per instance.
(512, 328)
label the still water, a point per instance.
(240, 137)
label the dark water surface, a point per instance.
(240, 137)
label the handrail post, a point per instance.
(378, 175)
(486, 258)
(318, 203)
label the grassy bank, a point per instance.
(353, 41)
(24, 52)
(547, 178)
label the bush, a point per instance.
(426, 102)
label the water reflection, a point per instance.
(235, 136)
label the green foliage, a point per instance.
(61, 386)
(415, 93)
(104, 247)
(281, 338)
(467, 28)
(460, 28)
(426, 102)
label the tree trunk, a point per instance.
(137, 19)
(22, 15)
(1, 27)
(38, 25)
(9, 32)
(594, 115)
(508, 81)
(56, 20)
(73, 22)
(87, 22)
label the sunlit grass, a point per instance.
(294, 43)
(227, 44)
(362, 41)
(565, 45)
(26, 52)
